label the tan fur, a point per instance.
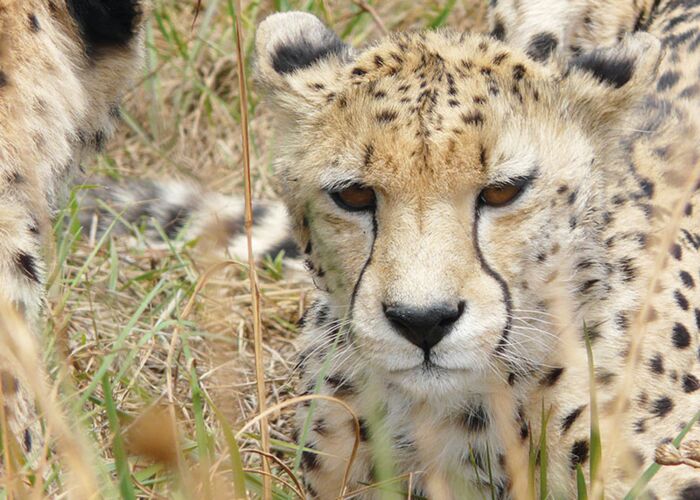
(57, 106)
(428, 120)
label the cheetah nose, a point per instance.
(424, 327)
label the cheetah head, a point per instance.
(439, 182)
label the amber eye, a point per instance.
(502, 194)
(355, 198)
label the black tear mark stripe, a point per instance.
(356, 288)
(499, 279)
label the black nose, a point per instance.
(424, 327)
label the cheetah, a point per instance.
(64, 67)
(476, 215)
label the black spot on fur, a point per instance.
(690, 383)
(499, 31)
(579, 453)
(680, 336)
(552, 377)
(474, 118)
(681, 300)
(340, 385)
(386, 116)
(500, 58)
(34, 25)
(309, 460)
(475, 419)
(569, 420)
(27, 441)
(690, 492)
(667, 80)
(676, 251)
(105, 24)
(524, 427)
(615, 71)
(369, 152)
(289, 247)
(28, 265)
(541, 46)
(518, 72)
(3, 79)
(621, 321)
(657, 364)
(662, 406)
(364, 430)
(687, 279)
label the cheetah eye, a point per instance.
(500, 195)
(355, 198)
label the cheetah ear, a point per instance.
(296, 56)
(610, 79)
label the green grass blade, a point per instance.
(239, 491)
(651, 471)
(581, 492)
(442, 16)
(121, 460)
(544, 457)
(596, 451)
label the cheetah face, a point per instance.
(439, 183)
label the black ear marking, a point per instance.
(105, 23)
(304, 53)
(609, 69)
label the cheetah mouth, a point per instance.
(429, 368)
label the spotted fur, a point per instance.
(64, 66)
(605, 140)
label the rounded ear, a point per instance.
(293, 50)
(609, 80)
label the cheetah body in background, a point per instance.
(64, 67)
(467, 213)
